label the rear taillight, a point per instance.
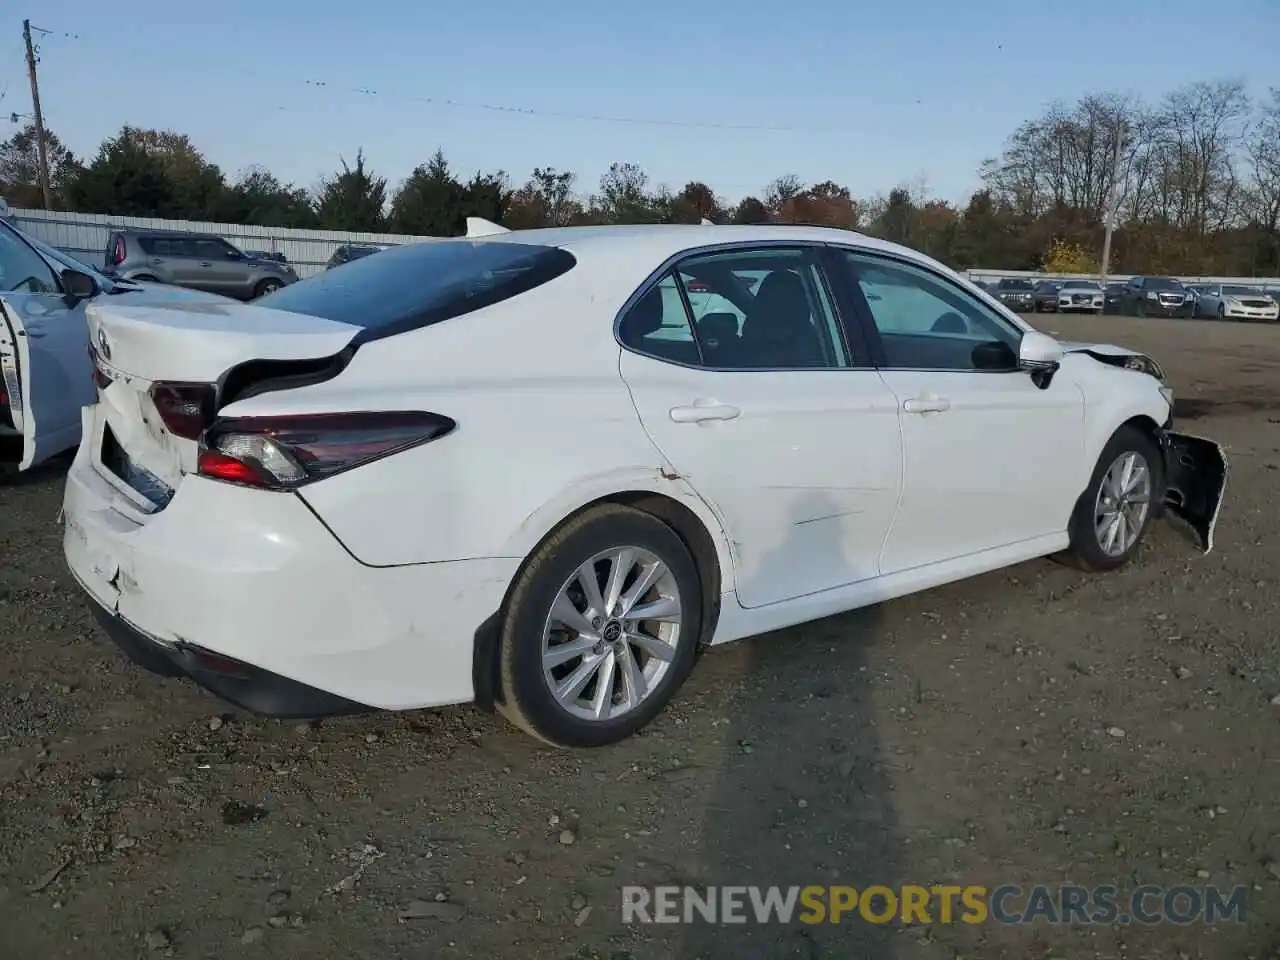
(286, 452)
(185, 408)
(117, 252)
(697, 286)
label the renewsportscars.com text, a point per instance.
(1007, 904)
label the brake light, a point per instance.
(697, 286)
(185, 408)
(117, 252)
(282, 453)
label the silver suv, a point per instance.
(194, 260)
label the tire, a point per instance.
(266, 286)
(1089, 549)
(549, 579)
(146, 278)
(1222, 311)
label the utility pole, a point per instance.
(1113, 197)
(39, 117)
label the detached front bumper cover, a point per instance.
(1195, 481)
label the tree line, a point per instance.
(1195, 180)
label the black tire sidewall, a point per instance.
(1084, 537)
(537, 590)
(266, 286)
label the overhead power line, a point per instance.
(373, 92)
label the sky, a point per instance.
(869, 94)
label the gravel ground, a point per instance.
(1034, 725)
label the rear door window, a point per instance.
(422, 283)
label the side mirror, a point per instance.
(78, 286)
(1037, 351)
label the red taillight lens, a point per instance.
(185, 408)
(697, 286)
(117, 252)
(286, 452)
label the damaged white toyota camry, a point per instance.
(541, 470)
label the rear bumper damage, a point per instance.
(1195, 471)
(240, 684)
(250, 596)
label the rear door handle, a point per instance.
(701, 410)
(206, 263)
(926, 403)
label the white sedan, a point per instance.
(45, 372)
(1229, 302)
(1081, 296)
(527, 471)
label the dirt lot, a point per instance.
(1031, 726)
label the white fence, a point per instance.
(84, 236)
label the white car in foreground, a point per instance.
(45, 372)
(1228, 302)
(1076, 296)
(515, 471)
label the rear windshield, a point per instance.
(423, 283)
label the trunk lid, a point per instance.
(198, 342)
(189, 358)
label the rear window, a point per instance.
(423, 283)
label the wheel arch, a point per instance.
(695, 526)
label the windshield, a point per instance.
(1081, 285)
(1164, 283)
(1015, 285)
(1241, 292)
(423, 283)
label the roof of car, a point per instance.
(661, 240)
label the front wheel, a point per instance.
(1112, 515)
(602, 628)
(266, 286)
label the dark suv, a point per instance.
(1016, 294)
(1046, 295)
(195, 260)
(1156, 297)
(352, 251)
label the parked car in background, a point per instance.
(46, 376)
(195, 260)
(1046, 296)
(347, 252)
(1157, 297)
(1081, 296)
(336, 530)
(1113, 296)
(275, 255)
(1236, 302)
(1016, 294)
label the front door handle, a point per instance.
(926, 403)
(206, 263)
(702, 410)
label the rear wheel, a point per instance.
(602, 628)
(1112, 515)
(146, 278)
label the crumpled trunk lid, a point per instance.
(187, 348)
